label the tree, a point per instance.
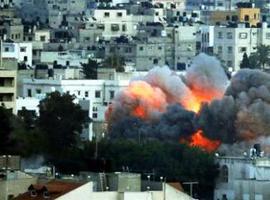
(262, 55)
(5, 130)
(61, 121)
(176, 162)
(245, 61)
(90, 69)
(116, 62)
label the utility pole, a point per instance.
(191, 186)
(1, 56)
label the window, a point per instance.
(243, 35)
(246, 18)
(97, 94)
(6, 49)
(29, 93)
(157, 14)
(111, 94)
(229, 49)
(220, 36)
(124, 28)
(224, 174)
(115, 27)
(38, 91)
(229, 35)
(267, 36)
(219, 49)
(95, 115)
(242, 49)
(86, 94)
(42, 38)
(79, 92)
(160, 48)
(95, 109)
(106, 14)
(119, 14)
(141, 48)
(229, 63)
(22, 49)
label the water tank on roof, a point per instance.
(164, 33)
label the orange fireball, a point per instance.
(199, 140)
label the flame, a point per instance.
(199, 97)
(199, 140)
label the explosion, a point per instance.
(200, 107)
(199, 140)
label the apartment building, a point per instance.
(93, 95)
(230, 43)
(8, 83)
(22, 52)
(115, 22)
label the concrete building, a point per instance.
(19, 51)
(15, 183)
(99, 94)
(173, 46)
(123, 186)
(8, 83)
(230, 43)
(115, 22)
(243, 178)
(12, 181)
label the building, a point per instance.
(124, 186)
(48, 190)
(243, 177)
(93, 95)
(12, 181)
(230, 43)
(8, 83)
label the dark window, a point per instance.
(95, 115)
(86, 94)
(119, 14)
(224, 174)
(97, 94)
(111, 94)
(29, 93)
(38, 91)
(106, 14)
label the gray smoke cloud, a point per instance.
(236, 112)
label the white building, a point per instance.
(20, 51)
(243, 178)
(206, 38)
(85, 192)
(117, 22)
(231, 43)
(99, 94)
(72, 58)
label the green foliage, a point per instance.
(261, 58)
(245, 62)
(90, 69)
(60, 121)
(5, 129)
(116, 62)
(174, 161)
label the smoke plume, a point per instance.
(201, 107)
